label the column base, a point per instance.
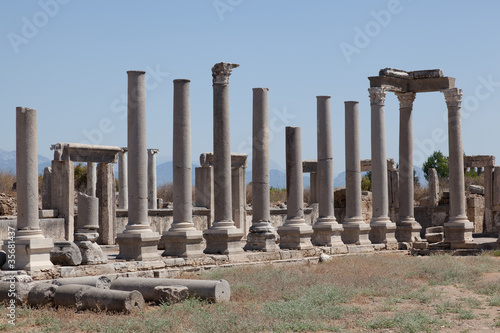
(224, 241)
(91, 253)
(138, 246)
(382, 231)
(458, 230)
(295, 235)
(356, 232)
(327, 232)
(31, 254)
(408, 230)
(261, 241)
(182, 243)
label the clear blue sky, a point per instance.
(72, 67)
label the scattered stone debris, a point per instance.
(8, 204)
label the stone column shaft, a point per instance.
(152, 183)
(107, 213)
(407, 229)
(122, 180)
(182, 239)
(327, 232)
(137, 153)
(32, 249)
(91, 178)
(138, 241)
(294, 233)
(262, 235)
(356, 231)
(222, 237)
(433, 187)
(458, 229)
(382, 229)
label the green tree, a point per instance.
(366, 181)
(437, 161)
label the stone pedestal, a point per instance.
(182, 239)
(138, 241)
(356, 231)
(327, 231)
(407, 229)
(122, 180)
(458, 229)
(152, 187)
(295, 234)
(30, 248)
(261, 236)
(382, 229)
(223, 237)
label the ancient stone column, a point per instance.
(327, 231)
(261, 236)
(152, 184)
(382, 229)
(204, 190)
(182, 239)
(222, 237)
(138, 241)
(295, 234)
(313, 187)
(122, 180)
(31, 248)
(47, 188)
(87, 230)
(356, 231)
(91, 178)
(407, 229)
(106, 189)
(433, 187)
(458, 229)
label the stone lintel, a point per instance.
(238, 160)
(397, 84)
(309, 166)
(366, 165)
(76, 152)
(420, 74)
(479, 161)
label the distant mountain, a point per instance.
(165, 173)
(8, 161)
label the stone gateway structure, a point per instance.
(406, 85)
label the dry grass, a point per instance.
(166, 192)
(384, 292)
(7, 180)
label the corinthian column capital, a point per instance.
(221, 72)
(453, 97)
(406, 99)
(377, 95)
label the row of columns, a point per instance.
(458, 229)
